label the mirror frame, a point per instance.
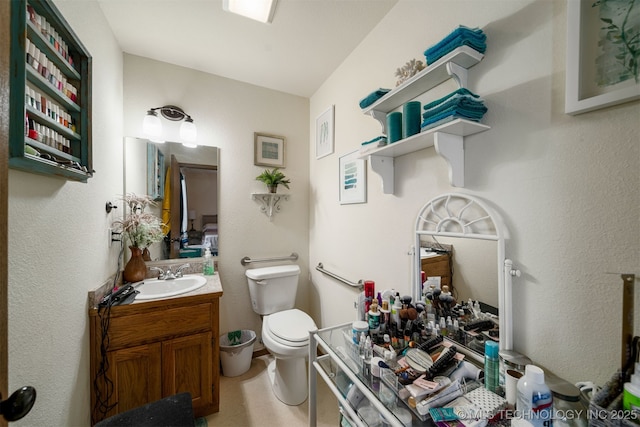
(472, 219)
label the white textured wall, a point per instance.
(58, 247)
(567, 187)
(227, 113)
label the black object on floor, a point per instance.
(172, 411)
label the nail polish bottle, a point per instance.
(44, 63)
(33, 133)
(35, 58)
(27, 49)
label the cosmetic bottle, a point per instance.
(631, 394)
(534, 399)
(491, 366)
(207, 267)
(374, 318)
(395, 312)
(385, 316)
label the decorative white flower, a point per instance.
(139, 228)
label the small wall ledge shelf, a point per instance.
(448, 140)
(269, 202)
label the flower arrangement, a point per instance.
(141, 229)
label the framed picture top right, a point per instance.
(603, 48)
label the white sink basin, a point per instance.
(154, 288)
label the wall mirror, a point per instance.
(157, 169)
(458, 236)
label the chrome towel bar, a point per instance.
(246, 260)
(358, 284)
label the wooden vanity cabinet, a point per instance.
(158, 349)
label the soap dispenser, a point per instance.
(207, 267)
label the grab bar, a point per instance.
(246, 260)
(321, 269)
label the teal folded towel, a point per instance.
(450, 113)
(461, 36)
(373, 97)
(380, 140)
(462, 91)
(463, 103)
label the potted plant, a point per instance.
(139, 229)
(272, 178)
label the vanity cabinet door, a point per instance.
(136, 375)
(188, 366)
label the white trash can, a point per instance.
(236, 350)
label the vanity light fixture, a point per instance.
(259, 10)
(152, 126)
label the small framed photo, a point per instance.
(353, 179)
(324, 133)
(269, 150)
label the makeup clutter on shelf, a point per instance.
(405, 348)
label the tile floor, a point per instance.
(247, 400)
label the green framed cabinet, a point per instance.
(50, 130)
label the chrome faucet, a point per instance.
(180, 268)
(169, 274)
(161, 273)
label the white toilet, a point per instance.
(285, 330)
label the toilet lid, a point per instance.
(291, 325)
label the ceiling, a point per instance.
(296, 53)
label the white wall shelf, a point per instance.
(448, 138)
(454, 65)
(269, 202)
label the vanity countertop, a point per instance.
(213, 286)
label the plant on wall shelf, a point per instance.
(272, 178)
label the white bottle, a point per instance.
(395, 312)
(207, 267)
(631, 394)
(535, 401)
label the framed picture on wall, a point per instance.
(324, 133)
(268, 150)
(601, 70)
(353, 179)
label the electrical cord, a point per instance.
(104, 394)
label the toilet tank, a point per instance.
(273, 289)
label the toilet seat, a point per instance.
(290, 327)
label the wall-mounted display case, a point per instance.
(50, 112)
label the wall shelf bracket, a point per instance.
(457, 73)
(383, 166)
(269, 202)
(451, 148)
(381, 117)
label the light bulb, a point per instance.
(188, 133)
(152, 127)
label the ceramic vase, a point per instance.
(146, 255)
(136, 269)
